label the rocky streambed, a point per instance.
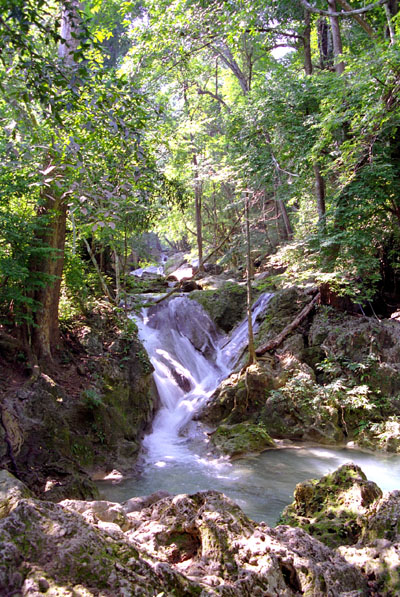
(202, 544)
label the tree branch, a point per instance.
(342, 13)
(277, 341)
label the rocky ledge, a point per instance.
(200, 544)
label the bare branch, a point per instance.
(342, 13)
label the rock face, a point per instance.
(226, 305)
(201, 545)
(56, 438)
(332, 509)
(334, 379)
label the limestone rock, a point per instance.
(332, 509)
(225, 305)
(240, 395)
(377, 554)
(11, 492)
(242, 438)
(383, 436)
(208, 537)
(44, 544)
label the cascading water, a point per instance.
(190, 358)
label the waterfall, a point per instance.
(190, 358)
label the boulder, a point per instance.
(226, 305)
(186, 545)
(332, 509)
(11, 492)
(377, 554)
(240, 396)
(384, 436)
(242, 438)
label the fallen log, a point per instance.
(277, 341)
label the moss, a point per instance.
(332, 509)
(226, 306)
(235, 440)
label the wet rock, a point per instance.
(332, 509)
(242, 438)
(188, 319)
(189, 286)
(11, 492)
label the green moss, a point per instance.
(226, 306)
(241, 438)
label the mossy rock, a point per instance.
(283, 307)
(242, 438)
(226, 306)
(333, 508)
(384, 436)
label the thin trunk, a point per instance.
(307, 43)
(96, 267)
(285, 217)
(198, 200)
(320, 196)
(392, 33)
(251, 346)
(336, 37)
(117, 278)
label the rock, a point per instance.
(208, 537)
(240, 395)
(173, 263)
(189, 286)
(332, 509)
(360, 347)
(188, 319)
(138, 503)
(242, 438)
(299, 410)
(11, 492)
(383, 436)
(56, 438)
(99, 510)
(201, 544)
(43, 540)
(377, 554)
(226, 305)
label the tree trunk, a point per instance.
(197, 201)
(336, 37)
(45, 334)
(307, 43)
(251, 346)
(320, 195)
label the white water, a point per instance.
(190, 358)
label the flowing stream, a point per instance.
(190, 358)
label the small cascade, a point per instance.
(190, 357)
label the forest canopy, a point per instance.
(179, 117)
